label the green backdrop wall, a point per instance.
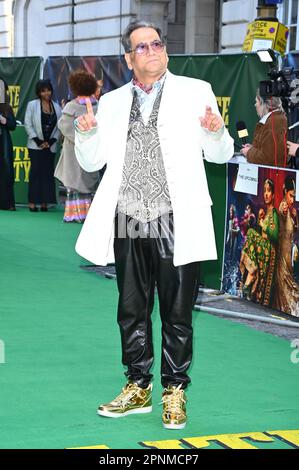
(21, 75)
(234, 79)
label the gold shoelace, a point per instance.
(127, 393)
(173, 400)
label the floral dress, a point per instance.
(258, 257)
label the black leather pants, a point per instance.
(143, 257)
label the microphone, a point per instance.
(242, 131)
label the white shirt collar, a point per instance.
(158, 84)
(265, 117)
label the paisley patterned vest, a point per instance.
(144, 193)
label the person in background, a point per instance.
(233, 231)
(266, 148)
(100, 85)
(63, 102)
(286, 296)
(293, 149)
(41, 119)
(79, 183)
(7, 124)
(248, 220)
(259, 253)
(98, 94)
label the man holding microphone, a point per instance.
(151, 214)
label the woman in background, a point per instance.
(286, 289)
(233, 231)
(269, 145)
(41, 119)
(7, 124)
(259, 253)
(80, 184)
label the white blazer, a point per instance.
(33, 124)
(183, 142)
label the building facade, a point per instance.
(236, 14)
(93, 27)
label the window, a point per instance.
(29, 28)
(288, 14)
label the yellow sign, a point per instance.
(262, 34)
(223, 105)
(21, 164)
(246, 440)
(14, 97)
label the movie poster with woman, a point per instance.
(261, 261)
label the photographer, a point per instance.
(269, 141)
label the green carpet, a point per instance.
(62, 356)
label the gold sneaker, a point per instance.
(132, 399)
(174, 407)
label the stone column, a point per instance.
(156, 12)
(200, 26)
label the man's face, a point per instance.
(150, 63)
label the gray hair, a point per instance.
(268, 104)
(125, 39)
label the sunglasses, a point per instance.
(143, 47)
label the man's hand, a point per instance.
(211, 121)
(292, 148)
(87, 121)
(3, 120)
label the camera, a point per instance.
(279, 85)
(282, 84)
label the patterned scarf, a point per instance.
(146, 88)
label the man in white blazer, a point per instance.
(151, 214)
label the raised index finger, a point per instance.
(89, 107)
(208, 110)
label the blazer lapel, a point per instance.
(168, 97)
(122, 115)
(38, 119)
